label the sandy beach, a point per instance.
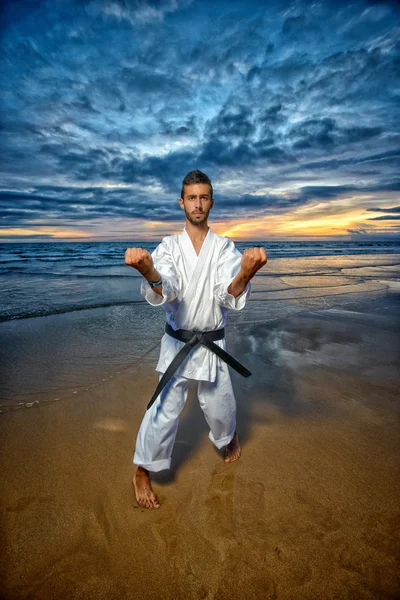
(309, 511)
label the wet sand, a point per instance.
(311, 510)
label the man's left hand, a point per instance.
(253, 259)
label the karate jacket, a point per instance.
(195, 296)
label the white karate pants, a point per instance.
(157, 433)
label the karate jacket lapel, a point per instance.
(189, 257)
(196, 267)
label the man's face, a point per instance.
(197, 202)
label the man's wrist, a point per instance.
(238, 285)
(154, 284)
(244, 277)
(152, 276)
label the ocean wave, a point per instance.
(80, 260)
(49, 311)
(13, 260)
(72, 275)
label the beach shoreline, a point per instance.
(45, 358)
(309, 511)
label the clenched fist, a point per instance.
(140, 259)
(253, 259)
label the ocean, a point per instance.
(71, 314)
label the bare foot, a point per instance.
(143, 491)
(232, 450)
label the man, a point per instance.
(196, 276)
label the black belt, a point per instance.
(192, 339)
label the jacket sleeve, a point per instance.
(228, 267)
(163, 263)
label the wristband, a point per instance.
(154, 283)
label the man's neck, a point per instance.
(197, 233)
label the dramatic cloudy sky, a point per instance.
(291, 107)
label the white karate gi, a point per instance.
(195, 297)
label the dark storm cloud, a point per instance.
(320, 133)
(394, 209)
(232, 122)
(359, 231)
(139, 93)
(333, 164)
(387, 218)
(75, 206)
(35, 237)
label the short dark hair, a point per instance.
(196, 176)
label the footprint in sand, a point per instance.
(258, 494)
(219, 503)
(220, 506)
(222, 482)
(26, 501)
(251, 509)
(101, 514)
(322, 516)
(165, 530)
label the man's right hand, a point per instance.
(140, 259)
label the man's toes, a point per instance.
(154, 501)
(144, 501)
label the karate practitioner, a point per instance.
(195, 276)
